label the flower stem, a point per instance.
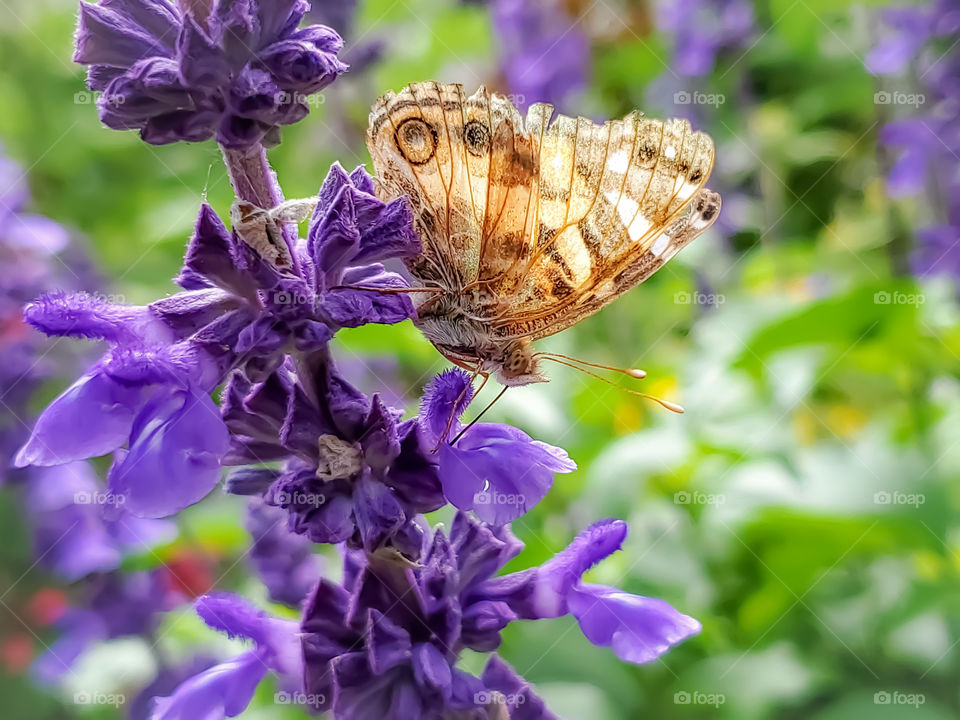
(255, 182)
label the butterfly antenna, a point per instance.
(482, 413)
(371, 288)
(672, 407)
(631, 372)
(456, 403)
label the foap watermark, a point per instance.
(299, 698)
(697, 697)
(282, 297)
(99, 698)
(896, 297)
(884, 497)
(684, 97)
(90, 97)
(495, 697)
(685, 497)
(492, 497)
(895, 697)
(699, 298)
(299, 498)
(296, 98)
(109, 298)
(885, 97)
(98, 497)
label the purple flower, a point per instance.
(34, 255)
(544, 52)
(386, 642)
(495, 470)
(236, 72)
(150, 391)
(925, 145)
(114, 605)
(284, 561)
(71, 535)
(354, 472)
(701, 29)
(14, 192)
(226, 689)
(638, 629)
(906, 31)
(166, 681)
(277, 310)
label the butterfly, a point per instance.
(529, 225)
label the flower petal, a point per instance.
(639, 629)
(223, 691)
(91, 418)
(175, 449)
(499, 472)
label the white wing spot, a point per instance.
(619, 162)
(628, 210)
(660, 245)
(670, 152)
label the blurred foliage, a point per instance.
(805, 506)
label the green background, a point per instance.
(761, 511)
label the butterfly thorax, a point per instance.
(455, 324)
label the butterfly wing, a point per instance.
(614, 203)
(542, 222)
(465, 164)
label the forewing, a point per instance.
(415, 138)
(511, 173)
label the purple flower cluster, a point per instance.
(385, 642)
(284, 562)
(321, 461)
(72, 537)
(353, 472)
(236, 70)
(921, 39)
(150, 391)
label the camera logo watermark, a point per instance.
(886, 697)
(699, 298)
(99, 698)
(299, 698)
(898, 298)
(883, 497)
(684, 97)
(685, 497)
(699, 698)
(883, 97)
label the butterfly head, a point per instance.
(519, 366)
(513, 365)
